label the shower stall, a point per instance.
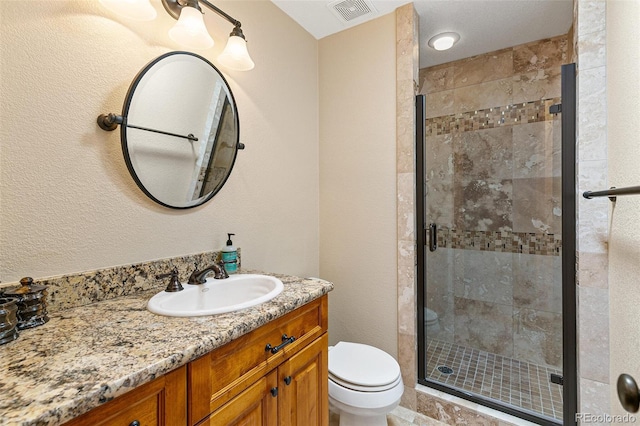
(494, 175)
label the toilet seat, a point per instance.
(360, 388)
(431, 317)
(363, 368)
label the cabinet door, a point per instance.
(162, 402)
(255, 406)
(304, 387)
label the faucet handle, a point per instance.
(222, 273)
(174, 285)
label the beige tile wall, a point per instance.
(407, 31)
(493, 174)
(587, 49)
(593, 215)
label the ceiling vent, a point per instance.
(350, 10)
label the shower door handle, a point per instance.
(433, 237)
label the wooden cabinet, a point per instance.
(161, 402)
(276, 375)
(265, 377)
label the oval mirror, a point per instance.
(180, 130)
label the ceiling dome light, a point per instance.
(444, 41)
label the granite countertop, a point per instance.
(88, 355)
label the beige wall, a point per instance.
(358, 182)
(67, 202)
(623, 93)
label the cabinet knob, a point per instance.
(628, 393)
(274, 392)
(134, 423)
(287, 380)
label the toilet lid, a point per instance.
(362, 365)
(431, 316)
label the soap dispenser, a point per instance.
(230, 256)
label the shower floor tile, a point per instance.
(521, 384)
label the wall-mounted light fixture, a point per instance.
(190, 30)
(444, 41)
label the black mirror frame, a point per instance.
(123, 130)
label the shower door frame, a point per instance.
(569, 314)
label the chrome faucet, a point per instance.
(200, 277)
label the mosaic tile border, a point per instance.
(501, 241)
(83, 288)
(509, 115)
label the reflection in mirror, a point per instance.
(179, 130)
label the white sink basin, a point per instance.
(216, 296)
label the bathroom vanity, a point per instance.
(246, 380)
(115, 363)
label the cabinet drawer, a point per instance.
(217, 377)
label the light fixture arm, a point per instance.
(174, 7)
(222, 13)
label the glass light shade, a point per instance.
(140, 10)
(444, 41)
(235, 55)
(190, 31)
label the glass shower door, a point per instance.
(492, 301)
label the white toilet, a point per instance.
(364, 384)
(431, 321)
